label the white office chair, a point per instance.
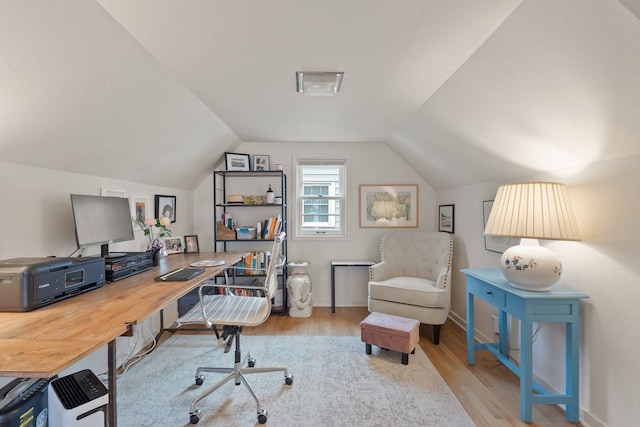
(234, 312)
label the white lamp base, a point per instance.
(530, 266)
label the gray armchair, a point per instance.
(413, 278)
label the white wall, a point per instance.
(37, 221)
(603, 265)
(367, 164)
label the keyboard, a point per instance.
(180, 274)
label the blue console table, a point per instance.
(557, 305)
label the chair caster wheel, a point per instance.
(262, 416)
(288, 380)
(251, 362)
(195, 417)
(199, 381)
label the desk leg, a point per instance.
(333, 288)
(526, 369)
(112, 416)
(573, 370)
(471, 348)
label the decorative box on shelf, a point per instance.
(246, 233)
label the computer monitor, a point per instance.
(101, 220)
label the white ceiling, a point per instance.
(465, 91)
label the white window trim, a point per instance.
(297, 205)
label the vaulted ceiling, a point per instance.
(465, 91)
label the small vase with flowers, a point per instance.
(155, 229)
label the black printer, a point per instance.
(30, 283)
(24, 402)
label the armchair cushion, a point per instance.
(410, 290)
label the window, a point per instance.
(320, 201)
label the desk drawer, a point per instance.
(493, 296)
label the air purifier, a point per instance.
(78, 400)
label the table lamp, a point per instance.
(532, 211)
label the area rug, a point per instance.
(335, 384)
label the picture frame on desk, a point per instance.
(191, 245)
(173, 245)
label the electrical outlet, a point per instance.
(496, 326)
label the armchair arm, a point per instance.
(444, 278)
(379, 272)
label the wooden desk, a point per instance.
(44, 342)
(560, 305)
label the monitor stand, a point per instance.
(104, 252)
(115, 255)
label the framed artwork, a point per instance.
(237, 162)
(389, 205)
(105, 192)
(260, 162)
(446, 218)
(495, 243)
(166, 207)
(173, 245)
(191, 244)
(140, 208)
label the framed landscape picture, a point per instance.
(389, 205)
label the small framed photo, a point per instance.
(260, 162)
(173, 245)
(140, 208)
(191, 244)
(446, 218)
(237, 162)
(166, 207)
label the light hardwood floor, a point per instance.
(488, 391)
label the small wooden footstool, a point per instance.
(390, 332)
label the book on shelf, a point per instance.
(272, 227)
(254, 263)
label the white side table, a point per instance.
(343, 263)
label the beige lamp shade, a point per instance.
(531, 211)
